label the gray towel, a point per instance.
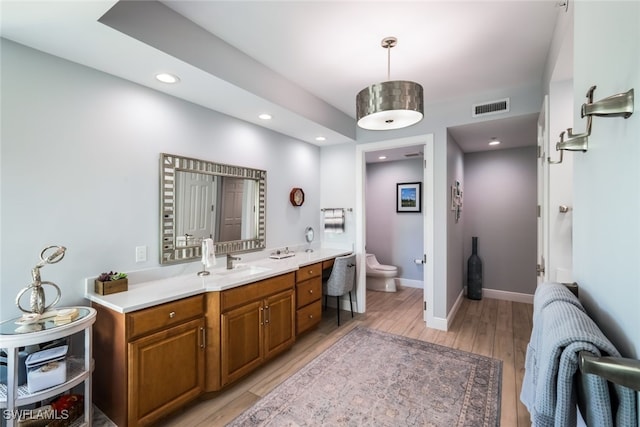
(561, 330)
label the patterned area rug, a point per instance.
(371, 378)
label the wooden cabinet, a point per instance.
(149, 362)
(256, 322)
(308, 297)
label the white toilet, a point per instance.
(380, 277)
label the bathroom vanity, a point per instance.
(164, 342)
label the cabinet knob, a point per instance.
(310, 271)
(311, 316)
(172, 315)
(310, 291)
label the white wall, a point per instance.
(607, 177)
(338, 190)
(395, 238)
(500, 209)
(80, 168)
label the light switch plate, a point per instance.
(141, 253)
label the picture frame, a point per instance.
(456, 200)
(409, 197)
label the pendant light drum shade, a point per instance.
(390, 105)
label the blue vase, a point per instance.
(474, 273)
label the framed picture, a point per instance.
(409, 197)
(456, 200)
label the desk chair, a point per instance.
(341, 281)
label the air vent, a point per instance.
(491, 107)
(413, 154)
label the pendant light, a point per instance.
(392, 104)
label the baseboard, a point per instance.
(508, 296)
(443, 323)
(410, 283)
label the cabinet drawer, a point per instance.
(308, 317)
(165, 315)
(308, 291)
(308, 271)
(254, 291)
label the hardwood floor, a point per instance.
(489, 327)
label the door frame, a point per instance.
(542, 259)
(427, 215)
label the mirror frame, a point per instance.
(169, 165)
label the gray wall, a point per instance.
(455, 230)
(80, 168)
(500, 209)
(395, 238)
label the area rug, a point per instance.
(371, 378)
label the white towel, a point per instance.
(208, 253)
(334, 220)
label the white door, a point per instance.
(543, 191)
(196, 196)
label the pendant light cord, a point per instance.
(388, 43)
(388, 62)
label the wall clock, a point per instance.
(296, 197)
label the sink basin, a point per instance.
(241, 270)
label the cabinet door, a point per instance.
(166, 370)
(279, 322)
(242, 337)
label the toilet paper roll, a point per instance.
(418, 261)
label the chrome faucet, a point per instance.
(230, 260)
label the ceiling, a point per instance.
(301, 61)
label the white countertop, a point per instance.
(154, 292)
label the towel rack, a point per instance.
(331, 209)
(619, 370)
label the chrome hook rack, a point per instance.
(618, 105)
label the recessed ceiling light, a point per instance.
(382, 157)
(264, 116)
(320, 138)
(167, 78)
(494, 142)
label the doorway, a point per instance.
(426, 142)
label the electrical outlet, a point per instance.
(141, 253)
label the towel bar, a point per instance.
(619, 370)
